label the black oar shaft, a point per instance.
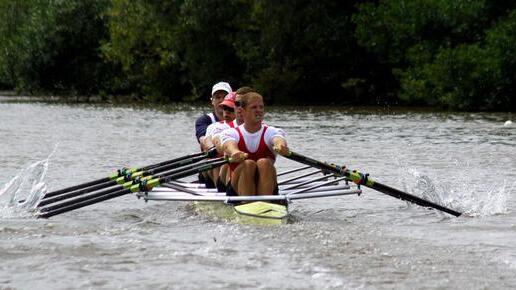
(80, 199)
(106, 179)
(92, 189)
(72, 194)
(55, 198)
(76, 187)
(211, 164)
(83, 203)
(113, 192)
(200, 154)
(177, 164)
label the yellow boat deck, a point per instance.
(255, 213)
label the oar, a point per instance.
(122, 172)
(120, 180)
(293, 170)
(363, 179)
(146, 184)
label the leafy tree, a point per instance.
(170, 49)
(456, 54)
(437, 49)
(57, 48)
(299, 51)
(13, 14)
(291, 51)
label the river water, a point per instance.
(465, 160)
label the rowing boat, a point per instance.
(258, 209)
(162, 181)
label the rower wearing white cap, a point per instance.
(218, 92)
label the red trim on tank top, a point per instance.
(262, 151)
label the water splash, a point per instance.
(19, 196)
(461, 194)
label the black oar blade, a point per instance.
(411, 198)
(358, 177)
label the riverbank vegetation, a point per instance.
(453, 54)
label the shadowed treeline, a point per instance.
(454, 54)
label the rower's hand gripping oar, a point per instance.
(364, 179)
(145, 184)
(125, 172)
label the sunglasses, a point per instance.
(228, 109)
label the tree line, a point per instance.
(452, 54)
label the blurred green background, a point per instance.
(458, 55)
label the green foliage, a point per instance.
(464, 77)
(205, 40)
(288, 50)
(295, 50)
(56, 47)
(13, 14)
(394, 27)
(455, 54)
(140, 44)
(438, 51)
(500, 40)
(172, 49)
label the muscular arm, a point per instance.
(280, 145)
(206, 142)
(217, 142)
(231, 150)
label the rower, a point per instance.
(218, 92)
(218, 128)
(252, 147)
(209, 141)
(219, 176)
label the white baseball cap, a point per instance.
(221, 86)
